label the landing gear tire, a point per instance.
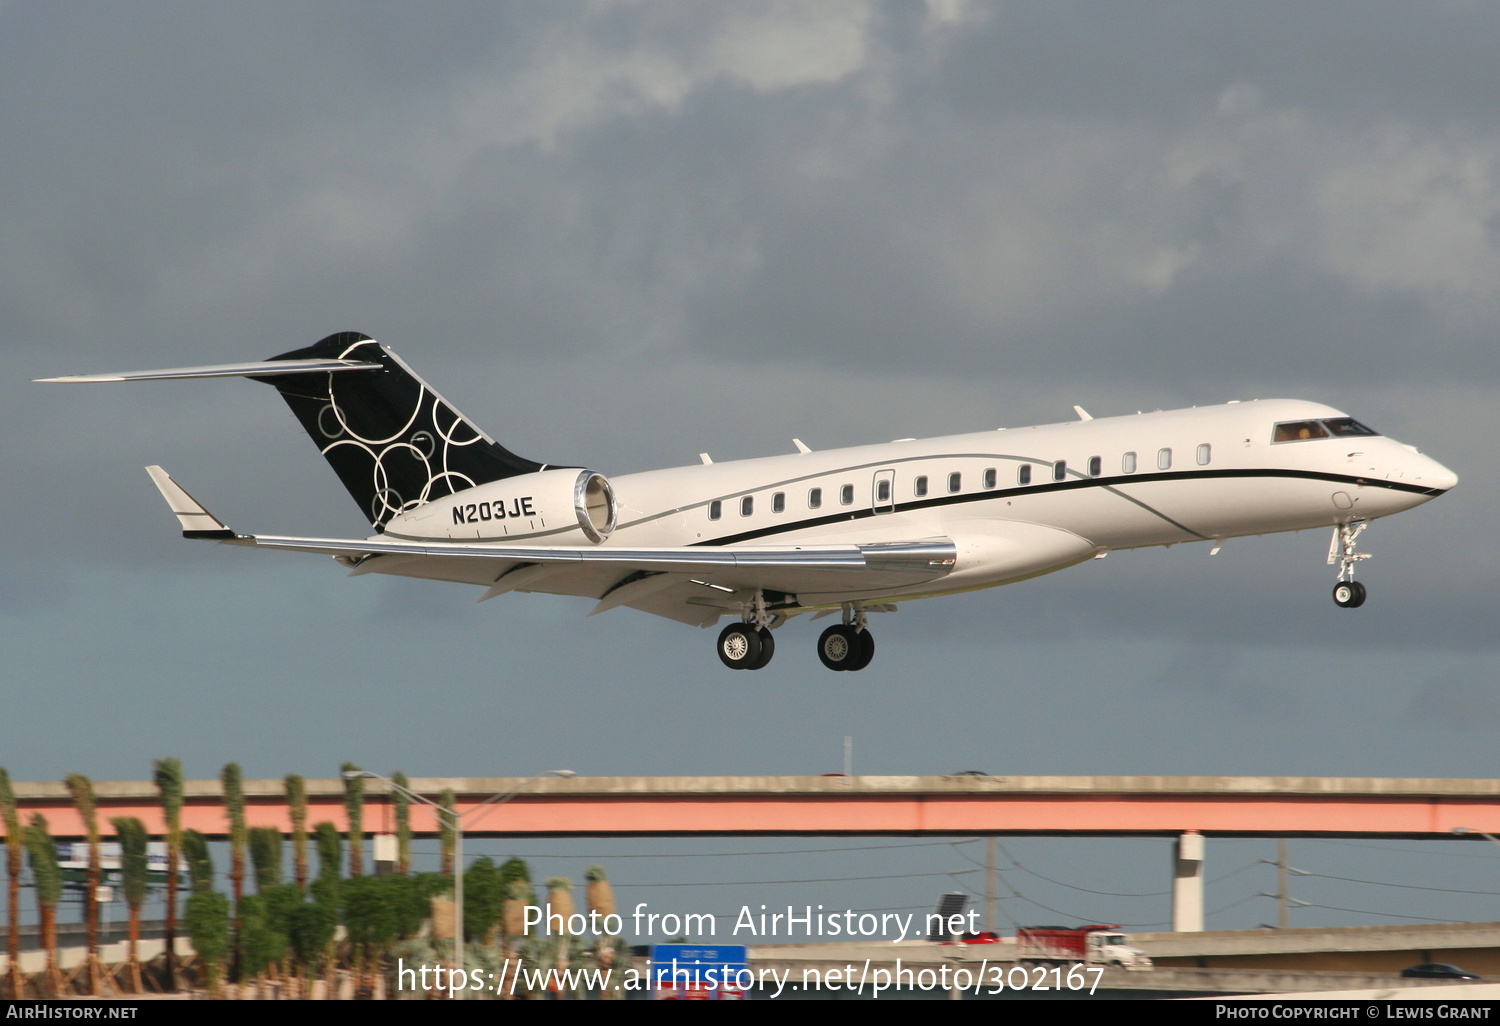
(767, 648)
(866, 650)
(740, 646)
(1349, 594)
(842, 647)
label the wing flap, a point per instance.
(928, 558)
(692, 583)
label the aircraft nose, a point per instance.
(1435, 475)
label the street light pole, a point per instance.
(1460, 831)
(456, 820)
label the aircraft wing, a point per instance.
(694, 584)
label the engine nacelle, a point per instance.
(565, 506)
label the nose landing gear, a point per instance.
(1347, 593)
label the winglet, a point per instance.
(196, 521)
(1082, 413)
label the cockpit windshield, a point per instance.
(1303, 430)
(1346, 427)
(1299, 431)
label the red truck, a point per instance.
(1098, 944)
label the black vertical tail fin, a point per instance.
(392, 440)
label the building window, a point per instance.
(1205, 454)
(715, 510)
(1164, 459)
(1059, 470)
(955, 482)
(846, 495)
(919, 486)
(1127, 464)
(814, 498)
(778, 502)
(1096, 466)
(747, 505)
(1023, 475)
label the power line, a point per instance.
(1404, 887)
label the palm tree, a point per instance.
(296, 803)
(310, 932)
(265, 852)
(46, 878)
(200, 863)
(207, 914)
(208, 925)
(327, 890)
(81, 790)
(518, 894)
(330, 851)
(354, 809)
(601, 900)
(484, 898)
(234, 812)
(560, 903)
(403, 822)
(168, 774)
(134, 876)
(601, 896)
(15, 842)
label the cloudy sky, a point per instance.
(619, 234)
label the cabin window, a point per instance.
(1127, 464)
(1205, 454)
(1299, 431)
(814, 498)
(955, 481)
(715, 510)
(1023, 475)
(989, 477)
(1096, 466)
(919, 486)
(1164, 459)
(778, 502)
(883, 490)
(846, 495)
(747, 505)
(1059, 470)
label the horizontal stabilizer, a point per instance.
(196, 521)
(259, 369)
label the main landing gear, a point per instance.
(749, 645)
(848, 645)
(744, 646)
(1347, 593)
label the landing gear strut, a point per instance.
(1347, 593)
(848, 645)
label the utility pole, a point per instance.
(989, 884)
(1281, 885)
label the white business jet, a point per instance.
(847, 531)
